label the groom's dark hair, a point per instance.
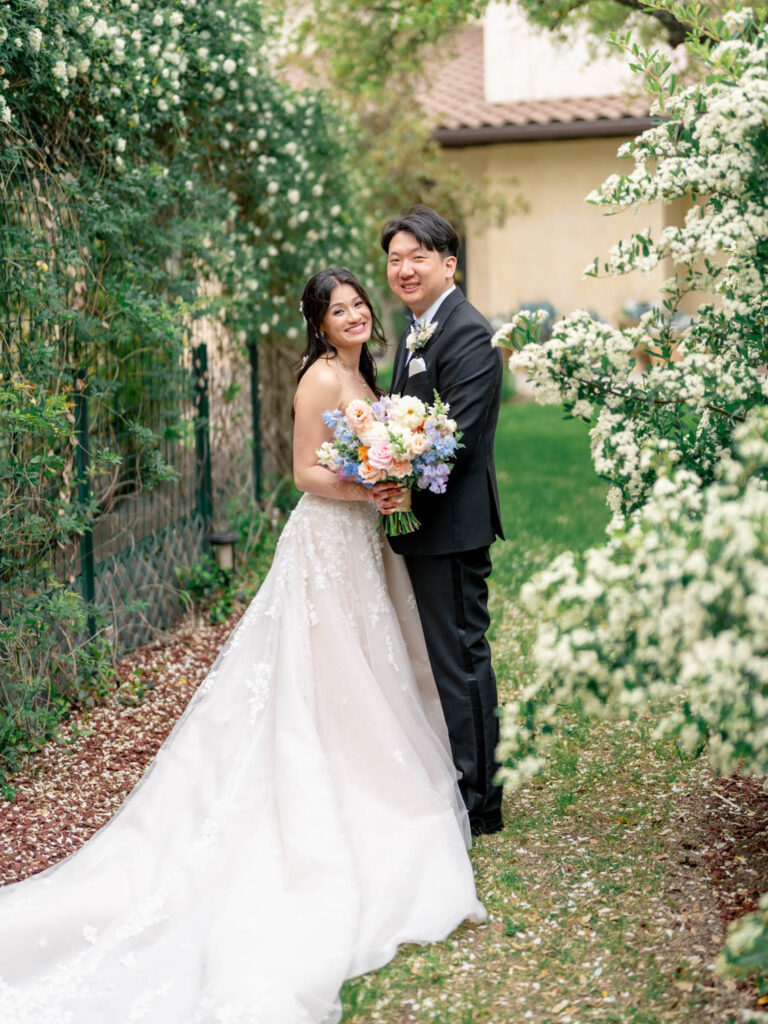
(428, 228)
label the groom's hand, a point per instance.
(386, 496)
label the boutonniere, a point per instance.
(419, 335)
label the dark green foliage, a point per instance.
(153, 171)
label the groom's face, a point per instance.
(416, 275)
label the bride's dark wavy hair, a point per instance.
(314, 305)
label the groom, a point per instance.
(448, 558)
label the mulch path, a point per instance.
(737, 859)
(71, 788)
(717, 874)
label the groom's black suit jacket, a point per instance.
(466, 372)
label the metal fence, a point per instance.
(203, 403)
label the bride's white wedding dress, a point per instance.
(300, 822)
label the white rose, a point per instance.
(376, 432)
(229, 66)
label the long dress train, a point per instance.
(301, 820)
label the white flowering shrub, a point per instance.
(147, 148)
(670, 616)
(704, 377)
(746, 953)
(184, 89)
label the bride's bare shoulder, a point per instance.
(320, 383)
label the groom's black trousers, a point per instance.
(452, 598)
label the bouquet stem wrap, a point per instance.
(402, 520)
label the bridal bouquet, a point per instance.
(396, 438)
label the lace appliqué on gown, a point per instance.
(300, 822)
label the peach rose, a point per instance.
(358, 415)
(400, 469)
(370, 474)
(417, 444)
(373, 432)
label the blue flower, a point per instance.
(444, 447)
(333, 417)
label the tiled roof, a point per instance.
(455, 101)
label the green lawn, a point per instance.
(596, 914)
(551, 499)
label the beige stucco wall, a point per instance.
(540, 254)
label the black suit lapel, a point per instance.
(443, 315)
(447, 306)
(398, 370)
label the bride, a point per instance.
(303, 818)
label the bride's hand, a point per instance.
(386, 496)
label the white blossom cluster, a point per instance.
(746, 950)
(710, 147)
(707, 375)
(195, 76)
(586, 366)
(671, 615)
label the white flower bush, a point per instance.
(670, 617)
(703, 378)
(156, 80)
(148, 150)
